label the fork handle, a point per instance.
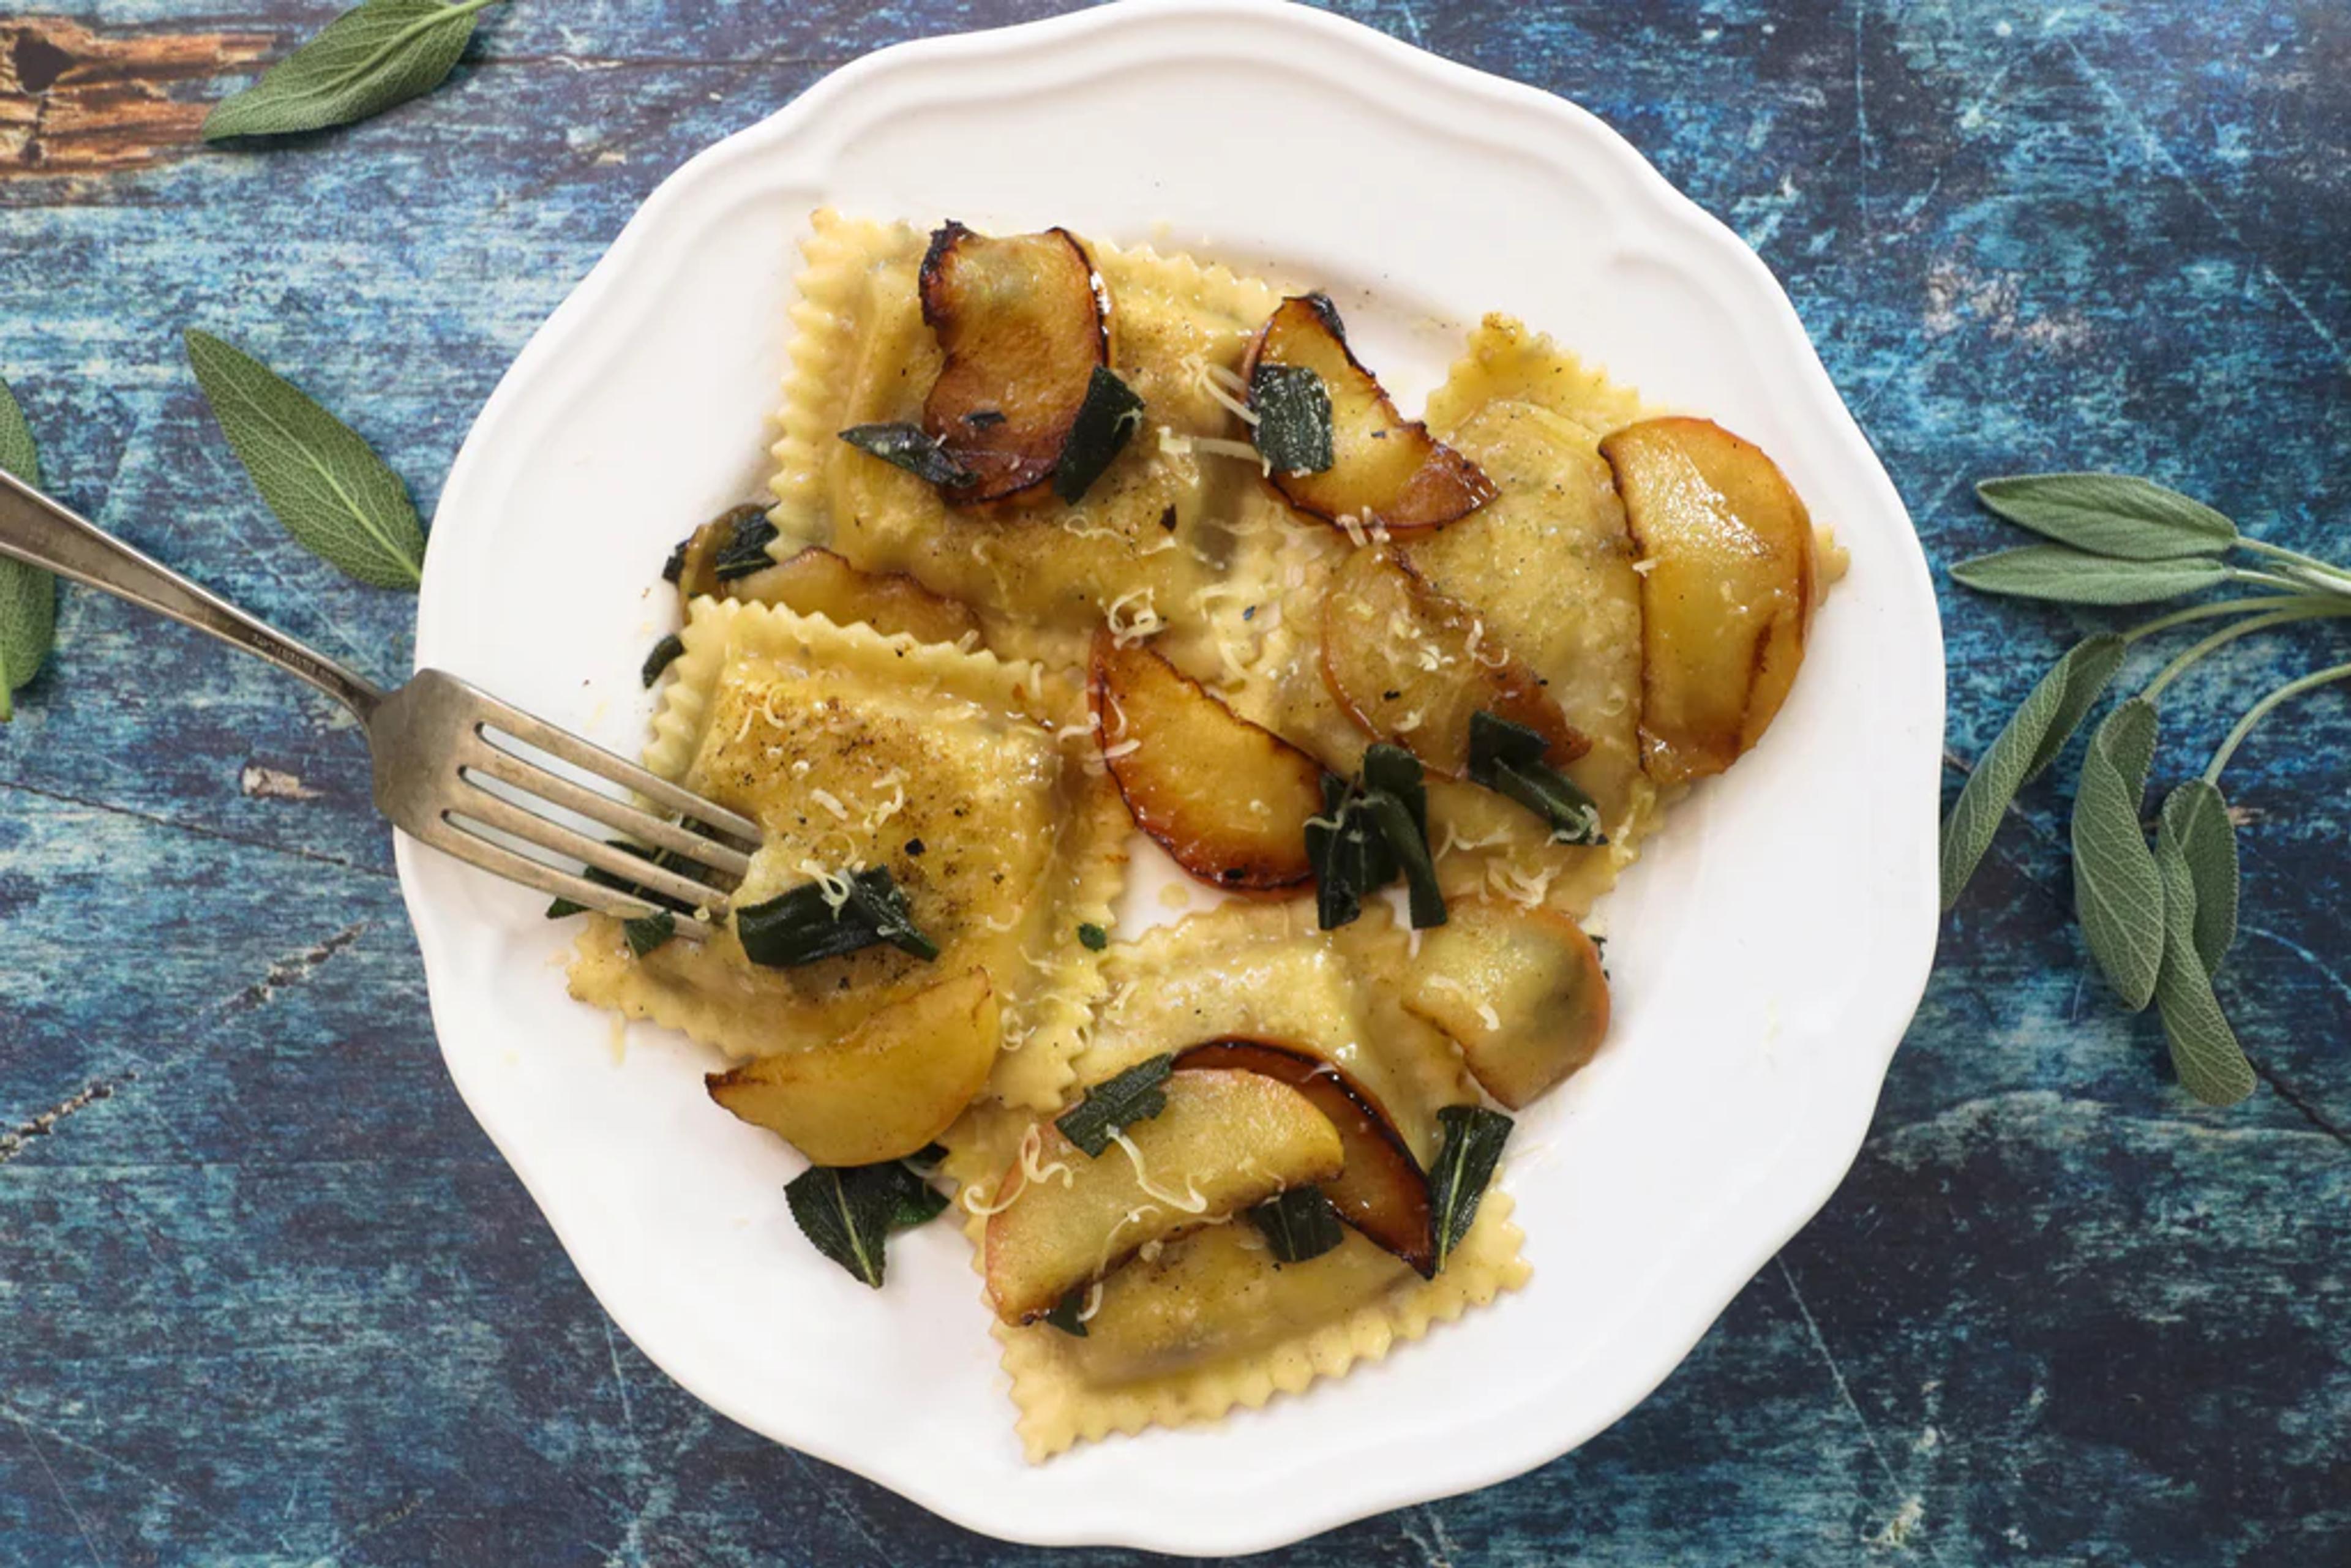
(40, 532)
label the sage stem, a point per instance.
(2261, 710)
(2227, 634)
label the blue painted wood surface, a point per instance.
(267, 1296)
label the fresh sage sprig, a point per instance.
(367, 59)
(1116, 1104)
(2158, 919)
(340, 500)
(28, 596)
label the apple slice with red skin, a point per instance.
(1227, 799)
(1411, 665)
(1386, 471)
(1382, 1190)
(1023, 321)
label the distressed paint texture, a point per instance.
(269, 1297)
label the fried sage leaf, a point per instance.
(1299, 1224)
(1069, 1313)
(746, 549)
(28, 596)
(1507, 759)
(848, 1213)
(911, 447)
(1293, 418)
(1134, 1095)
(826, 919)
(2111, 515)
(1107, 421)
(1470, 1147)
(367, 60)
(335, 496)
(2029, 744)
(2118, 895)
(665, 654)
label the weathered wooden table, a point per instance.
(265, 1293)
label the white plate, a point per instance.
(1767, 953)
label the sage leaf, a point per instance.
(1116, 1102)
(2034, 735)
(2072, 577)
(334, 494)
(1069, 1312)
(2111, 515)
(1298, 1225)
(1107, 419)
(821, 919)
(2196, 815)
(28, 596)
(1293, 418)
(650, 933)
(1470, 1147)
(908, 446)
(2204, 1049)
(2118, 895)
(666, 651)
(366, 60)
(849, 1212)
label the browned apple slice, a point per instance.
(1023, 321)
(1227, 799)
(1223, 1141)
(1730, 576)
(815, 581)
(1382, 1190)
(1411, 665)
(1519, 990)
(890, 1085)
(1386, 471)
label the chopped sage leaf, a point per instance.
(822, 920)
(1472, 1145)
(1507, 759)
(849, 1212)
(1107, 420)
(1134, 1095)
(746, 549)
(1293, 418)
(1093, 937)
(1334, 849)
(674, 568)
(665, 654)
(1066, 1312)
(908, 446)
(1299, 1224)
(650, 931)
(563, 908)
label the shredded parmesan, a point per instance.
(831, 802)
(1190, 1202)
(1129, 627)
(834, 885)
(1094, 1302)
(1451, 987)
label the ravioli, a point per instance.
(957, 772)
(1207, 1320)
(1171, 540)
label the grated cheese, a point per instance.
(1190, 1202)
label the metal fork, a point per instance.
(438, 744)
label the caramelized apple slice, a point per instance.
(1411, 665)
(1731, 577)
(1023, 321)
(1381, 1191)
(1223, 1141)
(1227, 799)
(1519, 990)
(888, 1087)
(1386, 471)
(817, 582)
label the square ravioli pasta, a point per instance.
(970, 779)
(1547, 568)
(1199, 1315)
(1176, 538)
